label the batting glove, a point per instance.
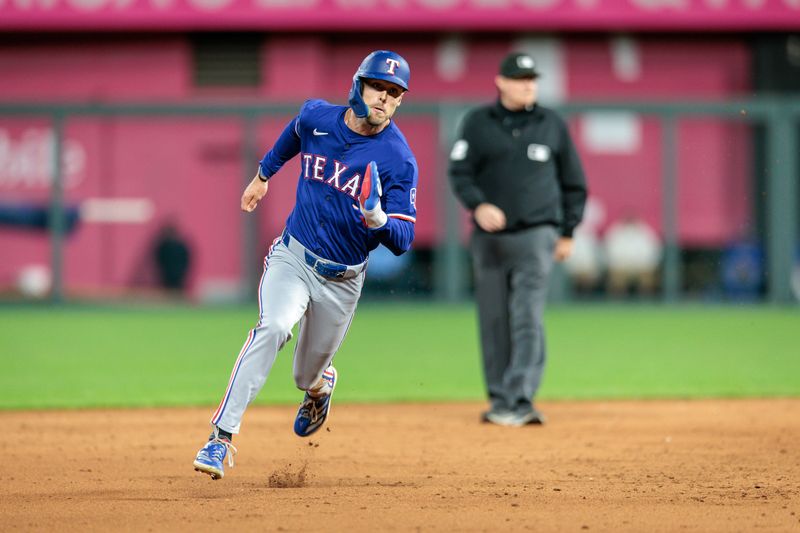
(370, 198)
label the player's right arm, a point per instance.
(253, 193)
(286, 147)
(465, 158)
(289, 143)
(464, 161)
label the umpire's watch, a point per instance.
(261, 175)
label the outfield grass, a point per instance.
(80, 357)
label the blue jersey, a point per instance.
(326, 217)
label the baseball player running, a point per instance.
(357, 189)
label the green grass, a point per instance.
(153, 356)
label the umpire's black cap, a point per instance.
(518, 65)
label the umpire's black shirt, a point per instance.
(523, 162)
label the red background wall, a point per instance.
(190, 168)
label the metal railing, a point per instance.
(779, 116)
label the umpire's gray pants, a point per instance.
(511, 274)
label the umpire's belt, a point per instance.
(323, 267)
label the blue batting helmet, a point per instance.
(379, 65)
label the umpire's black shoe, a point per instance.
(486, 416)
(501, 418)
(533, 416)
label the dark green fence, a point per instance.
(779, 117)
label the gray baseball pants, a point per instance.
(511, 276)
(289, 292)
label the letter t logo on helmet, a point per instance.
(374, 67)
(392, 64)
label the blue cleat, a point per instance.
(315, 409)
(210, 458)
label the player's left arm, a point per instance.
(572, 182)
(398, 202)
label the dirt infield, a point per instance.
(613, 466)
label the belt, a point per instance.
(323, 267)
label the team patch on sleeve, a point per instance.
(400, 186)
(459, 151)
(412, 208)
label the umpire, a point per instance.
(516, 169)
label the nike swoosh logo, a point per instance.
(320, 132)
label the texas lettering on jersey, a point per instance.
(332, 162)
(314, 168)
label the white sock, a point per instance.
(320, 388)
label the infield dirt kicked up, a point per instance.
(731, 465)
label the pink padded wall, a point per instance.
(714, 156)
(191, 169)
